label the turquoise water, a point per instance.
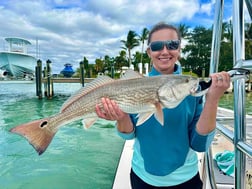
(227, 101)
(76, 158)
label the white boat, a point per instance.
(16, 62)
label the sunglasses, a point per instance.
(159, 45)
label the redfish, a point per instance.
(134, 94)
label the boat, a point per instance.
(16, 62)
(68, 70)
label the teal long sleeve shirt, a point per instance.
(165, 155)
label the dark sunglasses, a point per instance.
(159, 45)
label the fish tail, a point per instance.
(36, 132)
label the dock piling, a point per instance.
(38, 74)
(82, 72)
(49, 80)
(45, 83)
(45, 77)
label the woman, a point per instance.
(165, 156)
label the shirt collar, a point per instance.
(177, 70)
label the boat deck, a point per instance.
(122, 180)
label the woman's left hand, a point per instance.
(220, 84)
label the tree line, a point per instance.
(195, 55)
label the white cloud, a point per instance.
(69, 30)
(206, 8)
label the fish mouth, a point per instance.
(194, 90)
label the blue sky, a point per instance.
(69, 30)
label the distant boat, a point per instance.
(68, 70)
(16, 61)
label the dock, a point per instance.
(46, 78)
(68, 80)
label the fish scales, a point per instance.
(141, 95)
(131, 99)
(125, 93)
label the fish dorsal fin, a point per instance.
(159, 114)
(131, 74)
(99, 81)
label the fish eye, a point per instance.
(43, 124)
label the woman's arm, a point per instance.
(207, 120)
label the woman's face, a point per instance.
(164, 60)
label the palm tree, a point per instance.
(130, 43)
(248, 41)
(227, 31)
(99, 66)
(248, 31)
(142, 38)
(121, 60)
(183, 30)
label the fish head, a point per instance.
(195, 87)
(172, 92)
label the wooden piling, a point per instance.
(82, 72)
(45, 77)
(38, 73)
(45, 83)
(113, 71)
(49, 80)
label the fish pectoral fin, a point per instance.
(159, 114)
(88, 122)
(172, 105)
(142, 117)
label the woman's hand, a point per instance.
(220, 84)
(110, 110)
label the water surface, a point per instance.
(76, 158)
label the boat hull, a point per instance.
(17, 65)
(68, 70)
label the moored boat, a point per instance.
(16, 61)
(68, 70)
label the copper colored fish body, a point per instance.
(145, 96)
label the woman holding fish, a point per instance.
(165, 154)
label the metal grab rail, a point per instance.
(238, 137)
